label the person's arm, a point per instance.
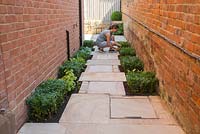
(113, 38)
(108, 40)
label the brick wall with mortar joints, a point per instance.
(33, 42)
(179, 74)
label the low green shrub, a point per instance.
(84, 53)
(116, 16)
(46, 99)
(120, 30)
(88, 43)
(124, 44)
(142, 82)
(130, 63)
(75, 64)
(69, 79)
(125, 51)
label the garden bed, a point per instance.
(139, 82)
(50, 98)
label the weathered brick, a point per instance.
(179, 73)
(33, 37)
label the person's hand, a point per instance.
(117, 49)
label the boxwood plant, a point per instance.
(124, 44)
(130, 63)
(88, 43)
(127, 51)
(46, 99)
(142, 82)
(49, 96)
(84, 53)
(116, 16)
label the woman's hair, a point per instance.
(114, 26)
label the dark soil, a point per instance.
(121, 69)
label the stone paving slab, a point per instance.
(160, 108)
(103, 62)
(85, 108)
(132, 108)
(105, 56)
(102, 68)
(121, 129)
(103, 77)
(112, 88)
(42, 128)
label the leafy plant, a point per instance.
(116, 16)
(69, 79)
(84, 53)
(46, 99)
(120, 30)
(142, 82)
(130, 63)
(124, 44)
(124, 51)
(88, 43)
(75, 64)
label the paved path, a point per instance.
(101, 106)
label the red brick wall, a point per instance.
(3, 93)
(151, 26)
(33, 45)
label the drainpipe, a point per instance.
(80, 22)
(68, 45)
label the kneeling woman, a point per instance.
(106, 39)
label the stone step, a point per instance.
(102, 68)
(86, 108)
(111, 88)
(105, 56)
(42, 128)
(121, 129)
(103, 62)
(103, 77)
(123, 108)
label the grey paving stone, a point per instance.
(42, 128)
(132, 108)
(122, 129)
(106, 77)
(112, 88)
(85, 108)
(105, 56)
(103, 62)
(102, 68)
